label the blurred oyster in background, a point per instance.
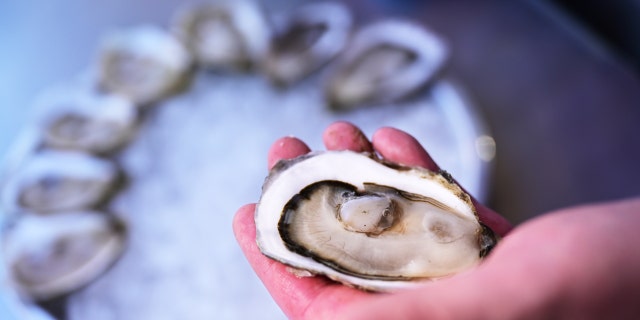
(49, 256)
(53, 181)
(92, 122)
(145, 64)
(224, 34)
(385, 62)
(310, 36)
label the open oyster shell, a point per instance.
(385, 62)
(144, 64)
(49, 256)
(224, 34)
(53, 181)
(367, 223)
(310, 36)
(92, 122)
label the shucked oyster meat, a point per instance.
(224, 34)
(310, 36)
(49, 256)
(54, 181)
(91, 122)
(367, 223)
(385, 62)
(144, 64)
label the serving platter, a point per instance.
(200, 154)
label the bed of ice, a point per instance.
(200, 155)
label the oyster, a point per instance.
(88, 121)
(310, 37)
(144, 64)
(224, 34)
(385, 62)
(53, 181)
(49, 256)
(367, 223)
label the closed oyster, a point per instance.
(385, 62)
(49, 256)
(309, 38)
(97, 123)
(224, 34)
(367, 223)
(53, 181)
(144, 64)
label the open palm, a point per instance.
(576, 263)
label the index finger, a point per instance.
(343, 135)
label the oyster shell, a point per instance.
(144, 64)
(49, 256)
(89, 122)
(53, 181)
(224, 34)
(385, 62)
(311, 36)
(366, 223)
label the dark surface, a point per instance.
(563, 110)
(617, 23)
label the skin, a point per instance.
(576, 263)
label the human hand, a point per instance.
(577, 263)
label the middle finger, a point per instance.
(346, 136)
